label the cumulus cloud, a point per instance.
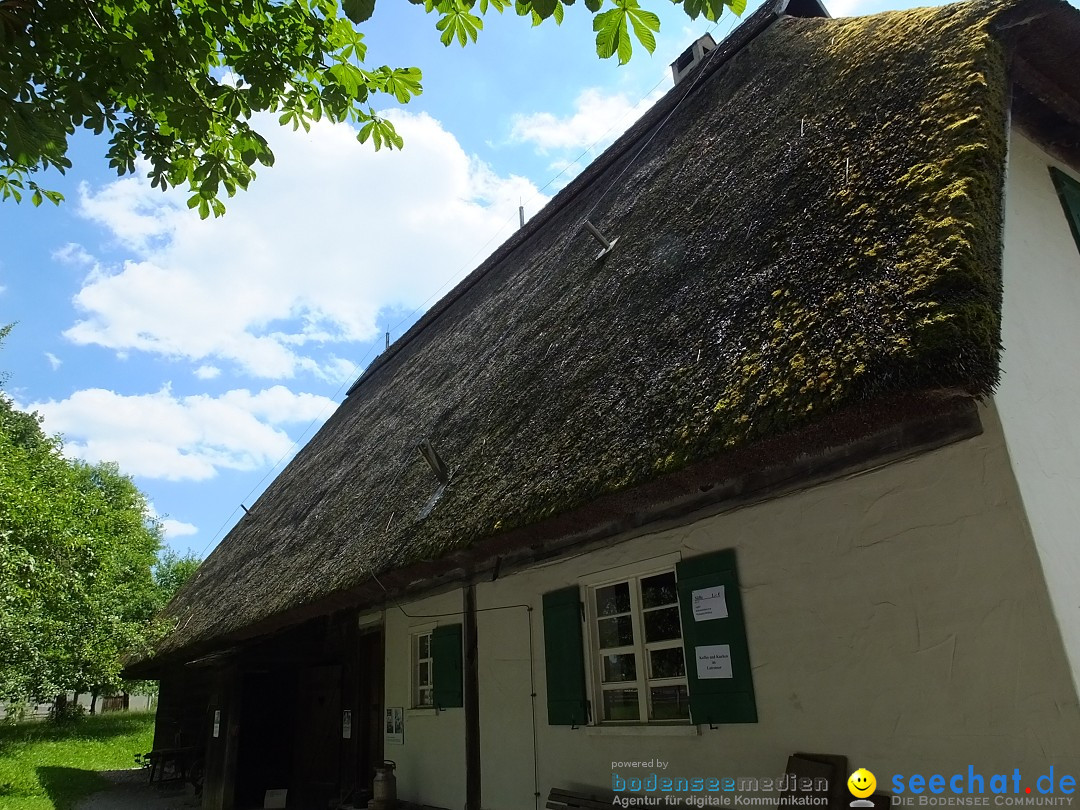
(177, 528)
(74, 254)
(172, 528)
(308, 257)
(207, 372)
(175, 438)
(599, 117)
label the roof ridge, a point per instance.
(741, 36)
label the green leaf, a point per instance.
(460, 24)
(358, 10)
(544, 8)
(612, 35)
(644, 24)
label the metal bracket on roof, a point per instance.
(434, 460)
(599, 237)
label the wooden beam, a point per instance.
(472, 703)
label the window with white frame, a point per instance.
(423, 695)
(638, 669)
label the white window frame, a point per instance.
(640, 648)
(416, 689)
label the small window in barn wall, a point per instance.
(422, 671)
(637, 665)
(650, 646)
(1068, 191)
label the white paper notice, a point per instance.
(713, 661)
(709, 603)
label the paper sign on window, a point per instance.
(217, 723)
(713, 661)
(709, 603)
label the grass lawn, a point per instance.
(49, 766)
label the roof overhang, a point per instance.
(1046, 82)
(849, 442)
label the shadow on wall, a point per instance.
(66, 785)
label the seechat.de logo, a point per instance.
(861, 784)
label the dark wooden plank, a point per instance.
(471, 677)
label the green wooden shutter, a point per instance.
(1069, 192)
(564, 658)
(446, 666)
(716, 700)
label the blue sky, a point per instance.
(200, 354)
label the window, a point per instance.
(638, 668)
(1068, 191)
(437, 662)
(616, 646)
(422, 669)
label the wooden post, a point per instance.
(219, 785)
(472, 703)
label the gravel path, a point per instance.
(130, 791)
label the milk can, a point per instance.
(384, 787)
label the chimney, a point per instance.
(690, 58)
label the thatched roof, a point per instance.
(808, 225)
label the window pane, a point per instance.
(617, 631)
(663, 624)
(620, 704)
(423, 674)
(613, 599)
(620, 668)
(670, 703)
(424, 698)
(659, 590)
(667, 663)
(423, 644)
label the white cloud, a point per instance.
(207, 372)
(333, 234)
(599, 118)
(171, 527)
(73, 253)
(181, 438)
(54, 361)
(177, 528)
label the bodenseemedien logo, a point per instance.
(861, 784)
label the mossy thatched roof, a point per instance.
(810, 224)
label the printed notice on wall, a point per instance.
(709, 603)
(346, 724)
(217, 723)
(713, 661)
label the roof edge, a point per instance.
(855, 440)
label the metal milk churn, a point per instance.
(384, 786)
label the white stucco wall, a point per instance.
(898, 617)
(431, 763)
(1039, 396)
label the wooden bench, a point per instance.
(185, 764)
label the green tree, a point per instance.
(177, 82)
(76, 552)
(170, 572)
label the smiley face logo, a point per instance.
(861, 783)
